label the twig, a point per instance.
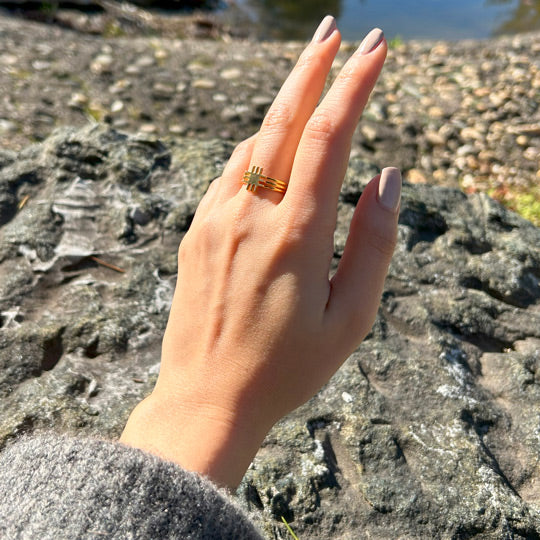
(23, 202)
(107, 265)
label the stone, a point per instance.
(206, 84)
(102, 64)
(78, 100)
(7, 126)
(230, 73)
(429, 430)
(415, 176)
(117, 105)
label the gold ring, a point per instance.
(254, 179)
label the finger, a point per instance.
(323, 152)
(285, 120)
(226, 185)
(358, 283)
(231, 179)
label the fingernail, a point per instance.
(390, 188)
(371, 41)
(325, 29)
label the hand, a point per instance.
(256, 325)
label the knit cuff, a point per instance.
(61, 487)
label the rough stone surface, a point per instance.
(431, 429)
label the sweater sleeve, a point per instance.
(68, 488)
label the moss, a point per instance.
(113, 30)
(525, 203)
(528, 206)
(21, 74)
(94, 113)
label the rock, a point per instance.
(415, 176)
(163, 91)
(117, 105)
(429, 430)
(6, 126)
(230, 73)
(78, 100)
(206, 84)
(102, 64)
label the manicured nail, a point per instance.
(390, 188)
(371, 41)
(327, 26)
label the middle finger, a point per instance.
(284, 122)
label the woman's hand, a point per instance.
(256, 325)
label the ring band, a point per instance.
(254, 179)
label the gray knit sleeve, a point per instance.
(64, 488)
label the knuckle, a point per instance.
(309, 61)
(279, 118)
(348, 74)
(383, 244)
(242, 148)
(212, 188)
(323, 126)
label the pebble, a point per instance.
(7, 126)
(262, 101)
(77, 100)
(117, 106)
(177, 129)
(231, 73)
(369, 132)
(148, 128)
(163, 90)
(120, 86)
(206, 84)
(9, 59)
(435, 138)
(145, 61)
(229, 114)
(133, 69)
(470, 133)
(414, 176)
(435, 112)
(532, 153)
(161, 54)
(41, 65)
(101, 64)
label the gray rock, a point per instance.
(429, 430)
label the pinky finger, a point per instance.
(231, 179)
(358, 283)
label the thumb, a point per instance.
(358, 283)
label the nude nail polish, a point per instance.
(325, 29)
(371, 41)
(390, 188)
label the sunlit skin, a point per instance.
(256, 325)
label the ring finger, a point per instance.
(284, 122)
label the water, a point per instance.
(406, 19)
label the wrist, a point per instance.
(197, 435)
